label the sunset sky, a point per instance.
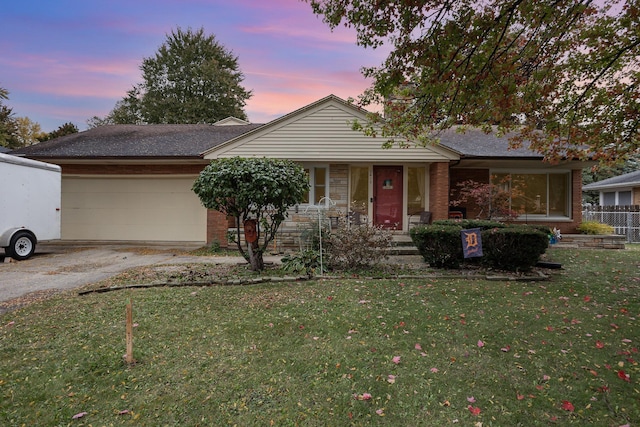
(69, 60)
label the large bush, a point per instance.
(439, 244)
(513, 248)
(258, 189)
(505, 247)
(357, 246)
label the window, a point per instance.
(609, 199)
(542, 194)
(624, 198)
(616, 198)
(319, 184)
(415, 190)
(359, 197)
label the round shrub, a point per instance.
(439, 245)
(513, 248)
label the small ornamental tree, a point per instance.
(493, 199)
(258, 189)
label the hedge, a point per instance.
(505, 247)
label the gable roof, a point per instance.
(135, 141)
(631, 179)
(322, 132)
(318, 123)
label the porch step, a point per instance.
(403, 245)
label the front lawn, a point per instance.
(337, 352)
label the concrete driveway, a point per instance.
(60, 266)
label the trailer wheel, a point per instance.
(23, 245)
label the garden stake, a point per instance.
(129, 334)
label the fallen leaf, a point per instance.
(471, 399)
(480, 343)
(624, 376)
(474, 410)
(396, 359)
(567, 406)
(599, 344)
(418, 347)
(79, 415)
(380, 412)
(506, 348)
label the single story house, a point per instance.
(621, 190)
(133, 182)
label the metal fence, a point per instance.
(624, 219)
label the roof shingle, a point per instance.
(135, 141)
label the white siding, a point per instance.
(323, 133)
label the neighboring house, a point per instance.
(622, 190)
(128, 182)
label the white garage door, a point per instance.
(154, 209)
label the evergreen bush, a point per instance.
(439, 244)
(513, 248)
(505, 247)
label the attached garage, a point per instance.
(132, 183)
(132, 208)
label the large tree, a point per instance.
(64, 129)
(255, 191)
(562, 74)
(191, 79)
(8, 125)
(28, 132)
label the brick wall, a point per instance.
(439, 190)
(217, 228)
(132, 169)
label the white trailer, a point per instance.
(30, 195)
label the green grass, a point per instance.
(290, 354)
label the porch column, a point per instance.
(439, 190)
(576, 200)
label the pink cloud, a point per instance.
(287, 31)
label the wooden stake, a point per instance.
(129, 334)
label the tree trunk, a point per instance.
(255, 257)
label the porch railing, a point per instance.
(624, 219)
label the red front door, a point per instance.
(387, 196)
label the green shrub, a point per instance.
(439, 244)
(513, 248)
(303, 262)
(483, 224)
(595, 227)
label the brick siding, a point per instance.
(439, 190)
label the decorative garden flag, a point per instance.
(471, 242)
